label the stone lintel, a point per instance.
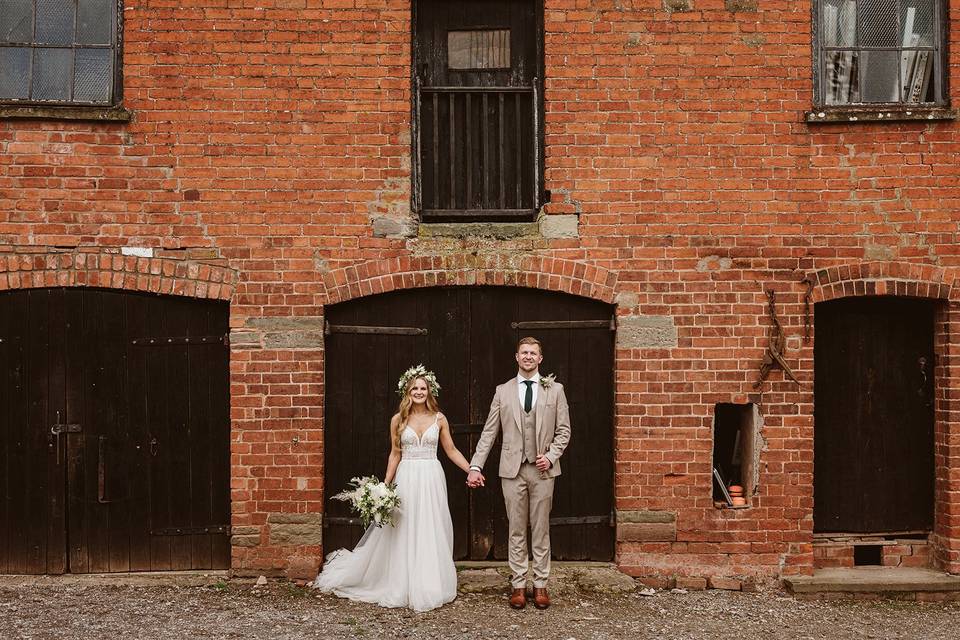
(560, 226)
(294, 518)
(647, 532)
(646, 332)
(286, 323)
(642, 516)
(394, 227)
(296, 534)
(497, 230)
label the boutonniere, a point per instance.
(547, 381)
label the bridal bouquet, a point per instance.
(375, 501)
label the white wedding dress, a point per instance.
(411, 563)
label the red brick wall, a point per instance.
(266, 136)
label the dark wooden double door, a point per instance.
(874, 416)
(468, 337)
(114, 432)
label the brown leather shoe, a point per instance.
(541, 599)
(518, 598)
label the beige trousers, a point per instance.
(528, 498)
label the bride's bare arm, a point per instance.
(446, 441)
(394, 459)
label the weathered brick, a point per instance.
(684, 184)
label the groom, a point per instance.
(533, 415)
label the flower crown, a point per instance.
(418, 371)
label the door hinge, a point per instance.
(390, 331)
(190, 531)
(610, 324)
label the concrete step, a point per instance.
(873, 580)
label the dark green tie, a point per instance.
(528, 396)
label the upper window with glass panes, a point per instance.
(879, 52)
(59, 52)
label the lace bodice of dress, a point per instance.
(424, 448)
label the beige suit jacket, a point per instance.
(553, 428)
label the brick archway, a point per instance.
(920, 281)
(116, 271)
(883, 279)
(552, 274)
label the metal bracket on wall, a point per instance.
(773, 358)
(807, 298)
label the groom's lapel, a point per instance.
(514, 402)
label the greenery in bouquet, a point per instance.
(373, 500)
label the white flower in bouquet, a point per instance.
(373, 500)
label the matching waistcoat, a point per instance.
(528, 421)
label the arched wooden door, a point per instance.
(874, 416)
(468, 337)
(114, 432)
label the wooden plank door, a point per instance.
(874, 415)
(468, 337)
(478, 108)
(80, 473)
(179, 390)
(32, 467)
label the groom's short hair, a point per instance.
(529, 340)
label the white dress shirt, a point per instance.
(522, 388)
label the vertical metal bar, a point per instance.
(500, 154)
(418, 152)
(436, 153)
(468, 154)
(484, 125)
(536, 149)
(519, 146)
(939, 42)
(453, 151)
(73, 51)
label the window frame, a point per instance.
(914, 110)
(540, 195)
(74, 109)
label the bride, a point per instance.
(411, 563)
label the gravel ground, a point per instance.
(280, 611)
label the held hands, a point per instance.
(543, 463)
(475, 479)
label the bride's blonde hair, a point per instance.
(406, 404)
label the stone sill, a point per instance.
(50, 112)
(898, 113)
(498, 230)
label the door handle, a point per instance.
(62, 427)
(56, 429)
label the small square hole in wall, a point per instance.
(867, 554)
(735, 429)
